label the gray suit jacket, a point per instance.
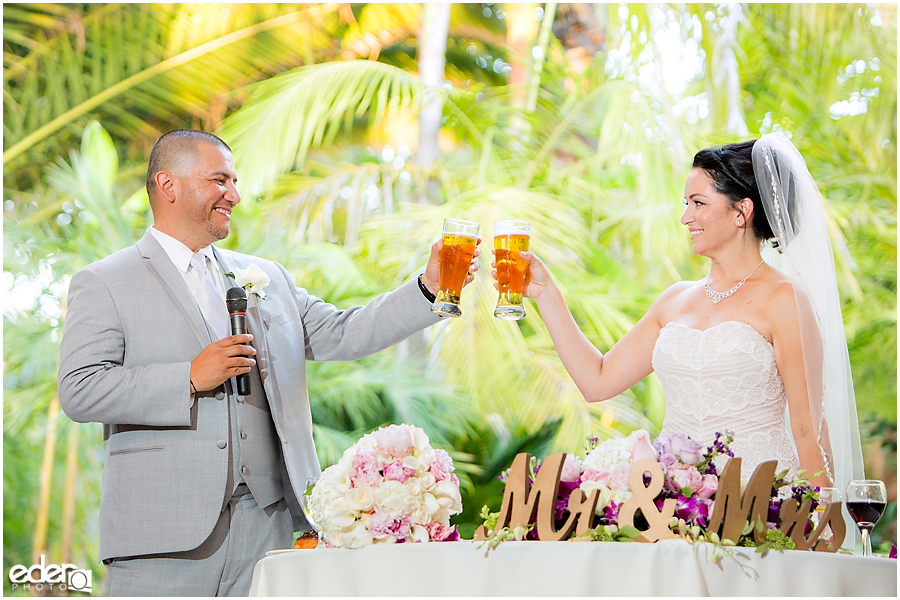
(131, 330)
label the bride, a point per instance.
(757, 346)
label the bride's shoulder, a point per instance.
(786, 296)
(679, 289)
(674, 298)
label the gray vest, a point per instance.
(256, 453)
(253, 448)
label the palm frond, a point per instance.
(102, 67)
(307, 107)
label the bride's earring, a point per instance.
(738, 222)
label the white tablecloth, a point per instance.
(670, 568)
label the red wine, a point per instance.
(865, 512)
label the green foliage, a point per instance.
(611, 533)
(597, 166)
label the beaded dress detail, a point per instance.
(725, 378)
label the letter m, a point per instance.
(732, 510)
(522, 500)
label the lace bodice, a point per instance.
(725, 378)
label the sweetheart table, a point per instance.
(667, 568)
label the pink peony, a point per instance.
(708, 486)
(442, 467)
(384, 524)
(597, 476)
(395, 440)
(684, 476)
(618, 477)
(395, 471)
(571, 470)
(438, 532)
(642, 447)
(364, 469)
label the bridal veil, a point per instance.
(802, 250)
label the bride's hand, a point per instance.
(537, 277)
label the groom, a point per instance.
(199, 482)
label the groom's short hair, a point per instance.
(175, 152)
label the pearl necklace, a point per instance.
(717, 297)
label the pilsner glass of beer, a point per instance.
(456, 256)
(510, 238)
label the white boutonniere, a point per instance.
(253, 279)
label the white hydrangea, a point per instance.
(608, 454)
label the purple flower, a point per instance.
(774, 508)
(694, 510)
(562, 499)
(893, 553)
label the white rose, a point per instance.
(357, 536)
(421, 515)
(361, 498)
(428, 482)
(416, 486)
(253, 279)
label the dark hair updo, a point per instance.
(731, 169)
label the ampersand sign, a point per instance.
(643, 499)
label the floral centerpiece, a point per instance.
(390, 487)
(691, 479)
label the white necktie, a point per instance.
(211, 304)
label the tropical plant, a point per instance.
(592, 145)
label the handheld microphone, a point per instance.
(236, 301)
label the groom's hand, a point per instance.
(220, 360)
(431, 276)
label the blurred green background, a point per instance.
(357, 128)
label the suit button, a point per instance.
(220, 396)
(221, 444)
(240, 399)
(244, 470)
(243, 435)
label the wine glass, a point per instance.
(304, 504)
(866, 499)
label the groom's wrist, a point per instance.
(429, 295)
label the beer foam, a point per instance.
(512, 228)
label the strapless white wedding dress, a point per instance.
(725, 378)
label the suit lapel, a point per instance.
(161, 266)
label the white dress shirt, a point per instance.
(180, 255)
